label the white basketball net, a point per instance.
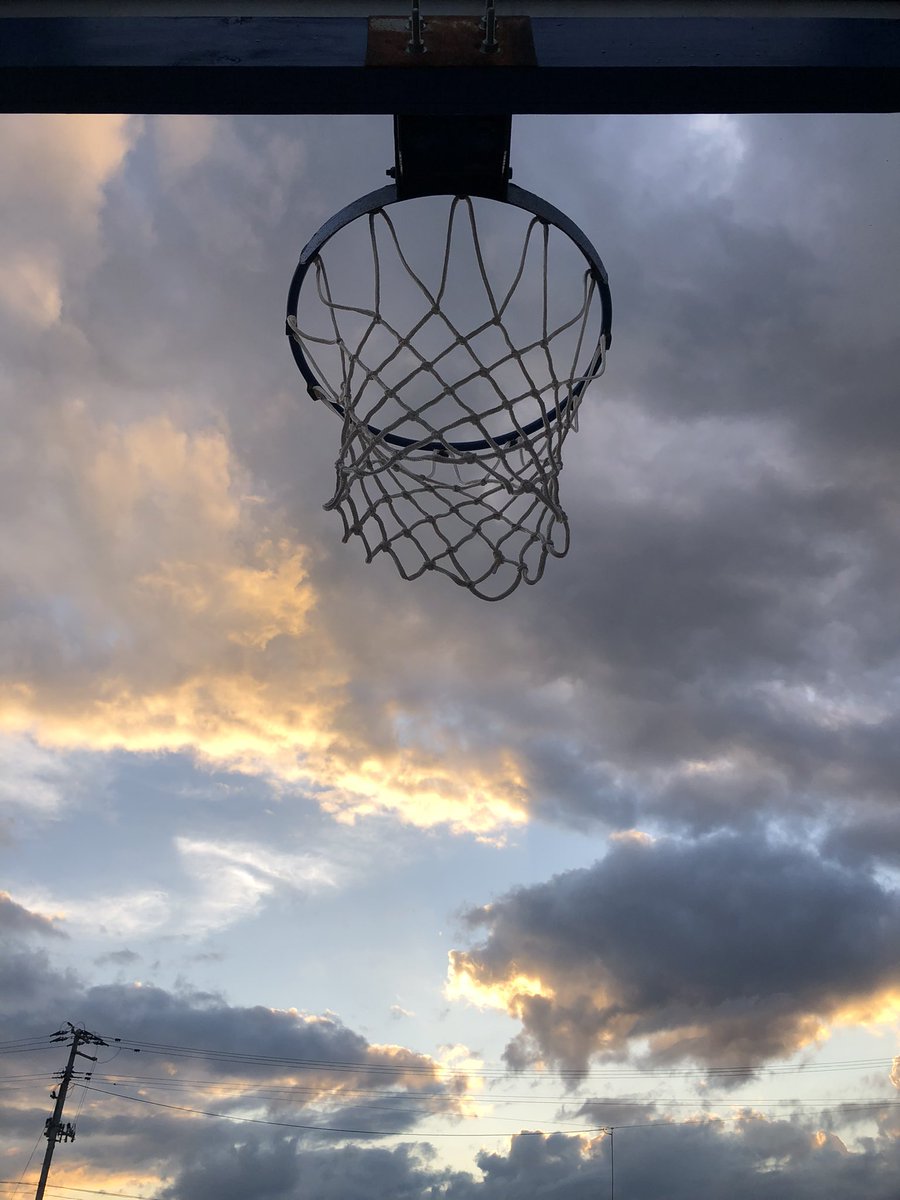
(487, 517)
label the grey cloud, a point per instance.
(277, 1170)
(15, 919)
(767, 289)
(116, 1137)
(726, 951)
(22, 1122)
(205, 1021)
(775, 567)
(119, 958)
(33, 996)
(755, 1158)
(739, 559)
(130, 1136)
(750, 1158)
(874, 835)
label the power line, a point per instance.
(431, 1067)
(37, 1040)
(416, 1111)
(21, 1182)
(40, 1037)
(69, 1187)
(31, 1075)
(26, 1049)
(414, 1106)
(200, 1112)
(299, 1091)
(860, 1105)
(432, 1103)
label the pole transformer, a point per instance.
(55, 1130)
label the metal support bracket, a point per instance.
(456, 156)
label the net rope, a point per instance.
(423, 473)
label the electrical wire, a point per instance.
(428, 1102)
(315, 1128)
(853, 1105)
(69, 1187)
(603, 1130)
(299, 1092)
(41, 1037)
(80, 1102)
(38, 1040)
(28, 1164)
(431, 1067)
(32, 1075)
(26, 1049)
(421, 1106)
(272, 1092)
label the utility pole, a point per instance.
(612, 1164)
(55, 1131)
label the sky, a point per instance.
(416, 894)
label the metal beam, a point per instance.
(318, 65)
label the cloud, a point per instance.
(127, 914)
(56, 170)
(228, 188)
(154, 595)
(119, 958)
(30, 289)
(185, 143)
(282, 1064)
(726, 951)
(225, 882)
(871, 834)
(722, 658)
(155, 608)
(37, 784)
(15, 919)
(750, 1158)
(714, 653)
(232, 879)
(276, 1169)
(754, 1157)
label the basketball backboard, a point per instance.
(290, 56)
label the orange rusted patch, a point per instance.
(450, 42)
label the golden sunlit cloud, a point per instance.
(461, 1069)
(878, 1011)
(636, 836)
(180, 620)
(426, 792)
(465, 981)
(512, 991)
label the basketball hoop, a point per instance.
(454, 415)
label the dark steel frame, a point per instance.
(318, 65)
